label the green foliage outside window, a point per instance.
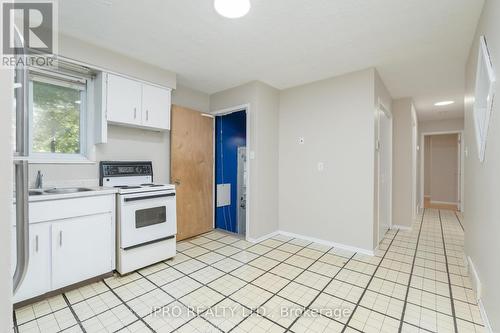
(56, 119)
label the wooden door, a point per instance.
(192, 170)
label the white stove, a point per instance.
(146, 214)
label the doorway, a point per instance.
(442, 171)
(231, 172)
(384, 161)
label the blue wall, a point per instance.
(231, 130)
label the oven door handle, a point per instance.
(150, 197)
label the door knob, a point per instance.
(177, 182)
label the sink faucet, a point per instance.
(39, 180)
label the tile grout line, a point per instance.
(14, 322)
(401, 322)
(288, 283)
(225, 273)
(448, 271)
(322, 290)
(128, 307)
(460, 222)
(369, 281)
(74, 313)
(243, 263)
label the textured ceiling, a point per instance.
(419, 46)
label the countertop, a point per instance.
(95, 191)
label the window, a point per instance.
(484, 96)
(58, 116)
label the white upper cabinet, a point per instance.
(123, 99)
(132, 103)
(156, 107)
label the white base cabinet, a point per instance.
(67, 245)
(80, 249)
(37, 279)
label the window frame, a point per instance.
(63, 80)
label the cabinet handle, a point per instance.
(135, 113)
(36, 243)
(147, 115)
(60, 238)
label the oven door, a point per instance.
(147, 218)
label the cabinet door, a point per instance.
(156, 107)
(37, 279)
(82, 248)
(123, 100)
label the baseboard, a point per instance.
(484, 316)
(476, 283)
(263, 238)
(327, 243)
(443, 203)
(477, 287)
(401, 227)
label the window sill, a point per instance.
(48, 160)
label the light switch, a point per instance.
(321, 166)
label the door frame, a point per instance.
(223, 112)
(382, 108)
(461, 162)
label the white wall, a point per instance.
(123, 144)
(190, 98)
(75, 49)
(445, 125)
(6, 97)
(336, 119)
(263, 129)
(444, 168)
(482, 181)
(403, 164)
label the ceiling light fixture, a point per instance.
(444, 103)
(232, 8)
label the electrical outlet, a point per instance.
(321, 166)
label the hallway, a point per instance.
(417, 282)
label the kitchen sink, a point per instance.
(67, 190)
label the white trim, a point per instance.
(328, 243)
(222, 112)
(484, 316)
(476, 283)
(461, 160)
(401, 227)
(443, 202)
(262, 238)
(381, 108)
(476, 286)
